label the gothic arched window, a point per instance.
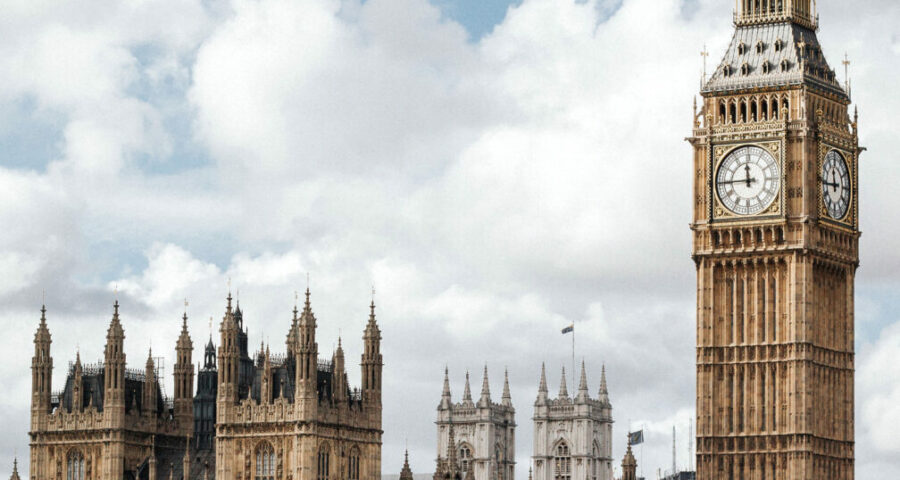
(562, 463)
(595, 463)
(265, 462)
(324, 463)
(465, 457)
(75, 466)
(353, 464)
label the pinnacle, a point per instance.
(467, 393)
(507, 398)
(543, 386)
(485, 400)
(563, 388)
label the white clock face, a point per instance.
(836, 185)
(748, 180)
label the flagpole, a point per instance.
(573, 356)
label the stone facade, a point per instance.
(573, 436)
(295, 417)
(478, 438)
(109, 422)
(280, 417)
(775, 272)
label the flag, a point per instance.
(569, 329)
(636, 438)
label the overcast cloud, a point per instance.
(493, 188)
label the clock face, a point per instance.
(748, 180)
(836, 185)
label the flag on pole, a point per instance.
(636, 438)
(569, 329)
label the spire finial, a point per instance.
(583, 393)
(43, 314)
(296, 300)
(543, 387)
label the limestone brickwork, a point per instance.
(573, 436)
(775, 289)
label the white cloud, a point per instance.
(492, 191)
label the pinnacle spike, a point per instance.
(563, 388)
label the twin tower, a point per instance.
(572, 435)
(291, 416)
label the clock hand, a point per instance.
(747, 171)
(750, 182)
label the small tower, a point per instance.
(205, 400)
(184, 380)
(340, 375)
(114, 371)
(629, 465)
(372, 362)
(229, 357)
(760, 12)
(15, 472)
(78, 385)
(406, 472)
(150, 387)
(307, 357)
(543, 392)
(41, 373)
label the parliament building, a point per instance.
(290, 416)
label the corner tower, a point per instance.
(775, 242)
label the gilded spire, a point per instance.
(485, 400)
(507, 398)
(563, 388)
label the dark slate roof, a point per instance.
(805, 62)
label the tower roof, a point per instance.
(583, 394)
(773, 54)
(507, 398)
(15, 472)
(42, 335)
(445, 394)
(467, 393)
(542, 388)
(115, 326)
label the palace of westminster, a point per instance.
(775, 241)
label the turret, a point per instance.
(406, 472)
(77, 385)
(307, 352)
(542, 389)
(150, 386)
(114, 370)
(372, 361)
(41, 370)
(340, 375)
(265, 393)
(229, 356)
(485, 400)
(629, 465)
(184, 379)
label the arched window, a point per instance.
(324, 463)
(465, 457)
(595, 463)
(562, 463)
(353, 466)
(75, 466)
(265, 462)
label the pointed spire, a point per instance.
(529, 474)
(445, 394)
(604, 392)
(542, 389)
(78, 359)
(467, 393)
(15, 472)
(583, 394)
(563, 388)
(485, 400)
(406, 472)
(507, 398)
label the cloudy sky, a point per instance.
(496, 169)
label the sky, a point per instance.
(496, 170)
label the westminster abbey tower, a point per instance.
(775, 241)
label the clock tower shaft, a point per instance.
(775, 288)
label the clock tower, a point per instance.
(775, 241)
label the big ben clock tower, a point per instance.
(775, 241)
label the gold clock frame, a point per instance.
(718, 211)
(849, 219)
